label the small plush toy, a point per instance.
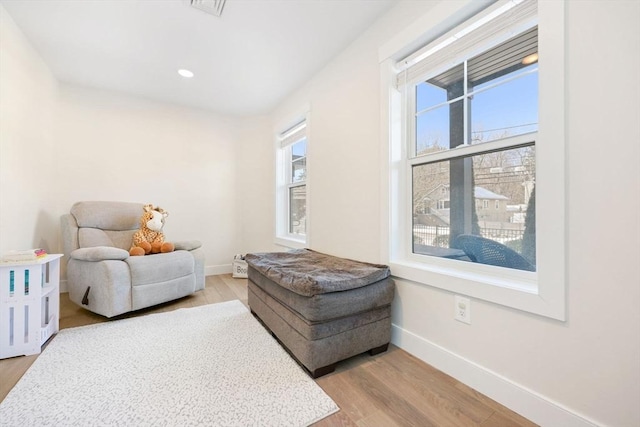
(150, 239)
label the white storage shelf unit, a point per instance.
(29, 304)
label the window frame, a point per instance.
(541, 292)
(284, 183)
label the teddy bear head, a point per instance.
(153, 218)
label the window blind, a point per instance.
(294, 134)
(495, 24)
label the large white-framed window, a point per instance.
(476, 120)
(292, 185)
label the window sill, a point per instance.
(510, 288)
(290, 242)
(464, 274)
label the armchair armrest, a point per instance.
(187, 245)
(100, 253)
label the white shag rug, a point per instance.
(212, 365)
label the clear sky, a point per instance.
(510, 107)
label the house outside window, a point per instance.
(291, 203)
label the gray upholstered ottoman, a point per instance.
(323, 309)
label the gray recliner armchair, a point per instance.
(103, 278)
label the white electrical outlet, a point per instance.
(462, 309)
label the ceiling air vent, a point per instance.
(213, 7)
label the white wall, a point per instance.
(27, 94)
(116, 147)
(60, 144)
(582, 371)
(256, 192)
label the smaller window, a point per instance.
(291, 204)
(297, 156)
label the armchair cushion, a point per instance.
(99, 253)
(88, 237)
(107, 215)
(158, 268)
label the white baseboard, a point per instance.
(214, 270)
(516, 397)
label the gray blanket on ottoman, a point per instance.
(310, 273)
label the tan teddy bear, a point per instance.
(150, 239)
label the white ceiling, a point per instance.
(245, 61)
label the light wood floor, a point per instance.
(390, 389)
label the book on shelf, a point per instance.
(24, 255)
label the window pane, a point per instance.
(434, 131)
(504, 89)
(299, 170)
(505, 110)
(490, 196)
(440, 89)
(501, 99)
(299, 161)
(299, 149)
(298, 210)
(502, 62)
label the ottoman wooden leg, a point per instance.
(323, 371)
(379, 350)
(330, 368)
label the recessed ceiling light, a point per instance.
(185, 73)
